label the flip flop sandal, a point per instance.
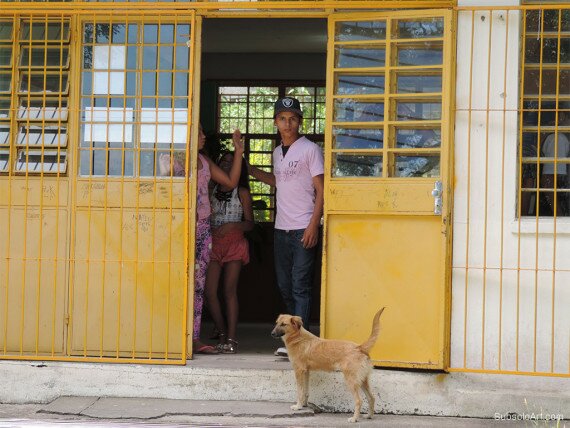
(206, 349)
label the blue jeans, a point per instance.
(294, 270)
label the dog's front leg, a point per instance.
(302, 378)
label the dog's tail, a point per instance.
(367, 346)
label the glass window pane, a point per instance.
(5, 80)
(5, 108)
(182, 62)
(118, 34)
(256, 145)
(102, 33)
(549, 47)
(129, 163)
(6, 30)
(147, 163)
(351, 57)
(359, 84)
(150, 34)
(348, 138)
(4, 160)
(165, 58)
(417, 166)
(167, 33)
(42, 136)
(426, 54)
(99, 162)
(260, 216)
(257, 187)
(551, 80)
(133, 33)
(418, 111)
(149, 57)
(348, 110)
(181, 84)
(132, 55)
(37, 82)
(4, 134)
(149, 84)
(345, 165)
(418, 138)
(416, 83)
(85, 162)
(260, 159)
(360, 30)
(182, 33)
(41, 31)
(36, 161)
(50, 57)
(5, 56)
(418, 29)
(164, 84)
(534, 19)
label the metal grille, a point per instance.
(95, 210)
(510, 274)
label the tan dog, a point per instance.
(308, 352)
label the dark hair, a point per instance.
(244, 176)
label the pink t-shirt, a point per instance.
(203, 200)
(294, 180)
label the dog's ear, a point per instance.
(297, 322)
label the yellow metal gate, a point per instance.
(94, 117)
(387, 201)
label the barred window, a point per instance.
(33, 133)
(545, 131)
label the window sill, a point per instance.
(544, 226)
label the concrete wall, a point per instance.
(510, 279)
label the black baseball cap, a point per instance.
(287, 104)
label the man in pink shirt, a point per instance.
(298, 176)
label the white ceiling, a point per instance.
(239, 35)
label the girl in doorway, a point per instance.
(206, 170)
(232, 215)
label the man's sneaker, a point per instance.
(281, 352)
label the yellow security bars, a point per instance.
(407, 4)
(510, 275)
(545, 190)
(94, 177)
(130, 277)
(33, 213)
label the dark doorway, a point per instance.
(251, 62)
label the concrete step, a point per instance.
(266, 378)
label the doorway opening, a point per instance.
(247, 64)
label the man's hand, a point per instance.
(310, 236)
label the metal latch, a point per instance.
(438, 201)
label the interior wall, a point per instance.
(264, 66)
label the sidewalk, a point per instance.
(120, 412)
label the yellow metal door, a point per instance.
(387, 235)
(130, 224)
(34, 72)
